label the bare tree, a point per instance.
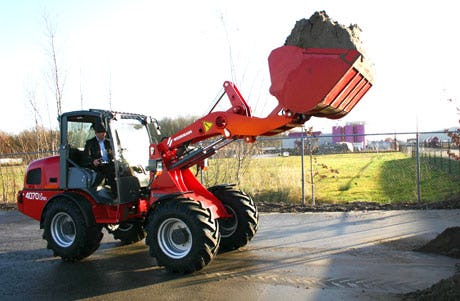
(110, 90)
(230, 51)
(41, 137)
(81, 90)
(231, 163)
(56, 77)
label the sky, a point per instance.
(170, 58)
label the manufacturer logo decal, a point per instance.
(181, 136)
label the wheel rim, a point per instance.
(175, 238)
(229, 225)
(63, 229)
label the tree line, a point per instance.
(41, 139)
(29, 141)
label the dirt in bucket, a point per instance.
(320, 31)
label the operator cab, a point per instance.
(129, 138)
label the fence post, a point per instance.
(441, 164)
(302, 154)
(449, 161)
(312, 176)
(417, 156)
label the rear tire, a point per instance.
(67, 233)
(182, 235)
(239, 229)
(128, 233)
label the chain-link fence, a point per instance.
(439, 158)
(309, 168)
(12, 170)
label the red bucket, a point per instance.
(321, 82)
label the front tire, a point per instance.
(239, 229)
(67, 233)
(182, 235)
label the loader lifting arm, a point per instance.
(235, 123)
(307, 82)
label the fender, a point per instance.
(220, 186)
(83, 204)
(164, 198)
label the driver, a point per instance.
(100, 154)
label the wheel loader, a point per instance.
(157, 196)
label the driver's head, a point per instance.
(100, 131)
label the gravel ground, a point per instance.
(447, 243)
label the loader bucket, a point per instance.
(322, 82)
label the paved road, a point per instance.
(309, 256)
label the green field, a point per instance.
(377, 177)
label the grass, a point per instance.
(11, 181)
(377, 177)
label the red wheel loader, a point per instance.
(157, 197)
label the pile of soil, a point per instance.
(320, 31)
(446, 289)
(447, 243)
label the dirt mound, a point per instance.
(447, 243)
(446, 289)
(320, 31)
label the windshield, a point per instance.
(132, 141)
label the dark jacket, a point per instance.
(93, 151)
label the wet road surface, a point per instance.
(304, 256)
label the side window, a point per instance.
(34, 176)
(78, 133)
